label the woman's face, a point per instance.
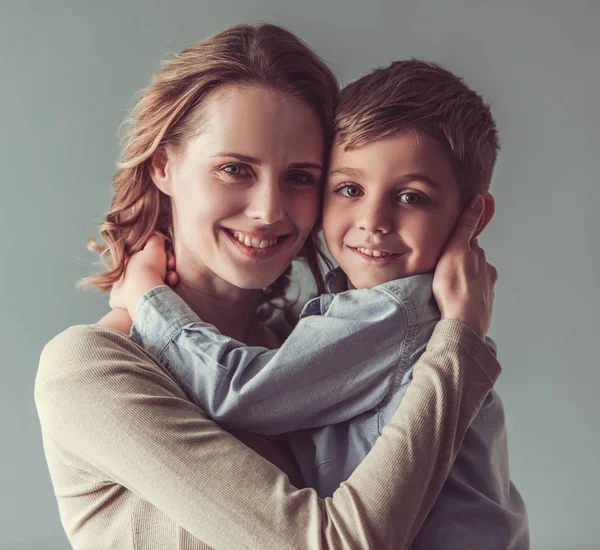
(245, 191)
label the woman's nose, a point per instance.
(265, 202)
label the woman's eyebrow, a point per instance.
(254, 160)
(300, 165)
(238, 156)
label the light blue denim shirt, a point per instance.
(332, 386)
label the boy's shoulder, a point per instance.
(414, 293)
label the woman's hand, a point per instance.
(463, 284)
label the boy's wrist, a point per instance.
(117, 319)
(139, 289)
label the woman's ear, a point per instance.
(159, 170)
(489, 208)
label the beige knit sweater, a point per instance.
(136, 465)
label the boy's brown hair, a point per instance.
(419, 96)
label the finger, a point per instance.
(170, 261)
(467, 224)
(480, 253)
(172, 278)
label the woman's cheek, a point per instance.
(304, 209)
(315, 207)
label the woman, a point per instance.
(230, 143)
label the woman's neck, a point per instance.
(230, 309)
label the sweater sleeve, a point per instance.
(109, 405)
(479, 506)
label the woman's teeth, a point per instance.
(253, 242)
(374, 253)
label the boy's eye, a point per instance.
(350, 191)
(411, 199)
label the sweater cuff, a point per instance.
(453, 331)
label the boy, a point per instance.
(413, 146)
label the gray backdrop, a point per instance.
(69, 70)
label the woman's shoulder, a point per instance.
(83, 355)
(79, 340)
(89, 369)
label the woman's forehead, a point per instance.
(259, 122)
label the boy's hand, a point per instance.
(172, 278)
(463, 284)
(117, 319)
(145, 270)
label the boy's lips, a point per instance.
(374, 256)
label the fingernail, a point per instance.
(477, 203)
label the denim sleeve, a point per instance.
(324, 373)
(478, 507)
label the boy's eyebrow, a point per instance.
(254, 160)
(421, 177)
(350, 172)
(357, 173)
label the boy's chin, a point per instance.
(361, 282)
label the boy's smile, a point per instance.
(390, 207)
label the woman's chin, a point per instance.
(248, 282)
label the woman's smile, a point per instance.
(255, 246)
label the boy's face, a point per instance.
(390, 207)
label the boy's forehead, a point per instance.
(395, 155)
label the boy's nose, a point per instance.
(375, 218)
(265, 202)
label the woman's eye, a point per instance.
(301, 178)
(236, 170)
(350, 191)
(411, 199)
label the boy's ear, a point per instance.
(489, 208)
(159, 171)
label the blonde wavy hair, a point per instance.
(165, 115)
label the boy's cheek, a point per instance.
(427, 242)
(328, 203)
(438, 244)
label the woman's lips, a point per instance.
(260, 247)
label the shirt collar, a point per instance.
(415, 292)
(336, 281)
